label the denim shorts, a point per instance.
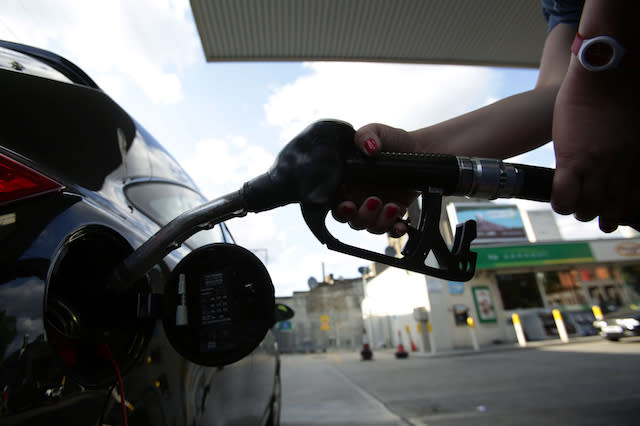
(562, 12)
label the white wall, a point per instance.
(390, 300)
(392, 296)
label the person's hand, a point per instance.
(372, 208)
(596, 133)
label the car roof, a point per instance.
(59, 121)
(47, 63)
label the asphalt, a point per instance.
(587, 381)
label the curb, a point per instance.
(506, 347)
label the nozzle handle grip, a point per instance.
(406, 171)
(536, 182)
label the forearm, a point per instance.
(503, 129)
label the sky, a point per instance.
(226, 122)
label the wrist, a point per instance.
(620, 86)
(421, 140)
(615, 18)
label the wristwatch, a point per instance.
(598, 53)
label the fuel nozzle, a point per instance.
(308, 170)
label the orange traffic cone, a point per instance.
(400, 352)
(366, 352)
(414, 348)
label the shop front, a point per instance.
(534, 279)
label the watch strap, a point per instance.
(577, 42)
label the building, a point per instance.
(327, 317)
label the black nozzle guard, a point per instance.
(310, 170)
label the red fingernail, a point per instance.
(370, 145)
(347, 209)
(373, 204)
(392, 211)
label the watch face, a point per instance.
(598, 54)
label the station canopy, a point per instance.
(508, 33)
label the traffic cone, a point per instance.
(414, 348)
(400, 352)
(366, 352)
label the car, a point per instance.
(624, 322)
(82, 185)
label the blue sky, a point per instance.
(225, 122)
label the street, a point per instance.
(592, 382)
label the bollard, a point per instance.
(597, 312)
(522, 340)
(562, 331)
(432, 340)
(366, 353)
(472, 331)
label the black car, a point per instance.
(81, 186)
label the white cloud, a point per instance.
(147, 41)
(258, 231)
(406, 96)
(223, 165)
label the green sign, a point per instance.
(532, 254)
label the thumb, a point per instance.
(375, 137)
(565, 192)
(368, 139)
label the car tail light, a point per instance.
(18, 181)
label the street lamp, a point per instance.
(364, 270)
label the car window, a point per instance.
(162, 202)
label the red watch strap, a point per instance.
(577, 42)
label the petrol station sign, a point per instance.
(532, 254)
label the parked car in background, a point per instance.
(81, 186)
(624, 322)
